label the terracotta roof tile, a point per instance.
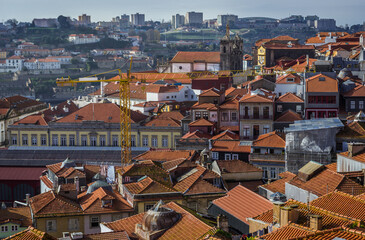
(232, 92)
(21, 214)
(92, 203)
(358, 91)
(271, 139)
(226, 135)
(174, 115)
(46, 181)
(191, 57)
(19, 102)
(336, 233)
(289, 231)
(106, 112)
(342, 203)
(203, 106)
(51, 203)
(230, 104)
(289, 98)
(257, 98)
(173, 163)
(279, 185)
(284, 79)
(31, 234)
(236, 166)
(189, 178)
(288, 116)
(107, 236)
(188, 227)
(211, 92)
(230, 146)
(147, 185)
(315, 85)
(165, 155)
(359, 157)
(196, 135)
(242, 203)
(32, 120)
(202, 122)
(202, 187)
(163, 122)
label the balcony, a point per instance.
(265, 117)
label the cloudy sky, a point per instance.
(345, 12)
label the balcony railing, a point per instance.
(242, 116)
(267, 157)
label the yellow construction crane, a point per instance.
(124, 94)
(124, 105)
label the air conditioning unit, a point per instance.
(66, 234)
(77, 235)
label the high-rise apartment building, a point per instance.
(194, 18)
(222, 20)
(177, 20)
(84, 19)
(137, 19)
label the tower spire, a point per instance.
(227, 30)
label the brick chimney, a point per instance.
(288, 214)
(315, 222)
(355, 148)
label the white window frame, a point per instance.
(54, 140)
(115, 140)
(299, 108)
(352, 104)
(14, 228)
(235, 156)
(279, 108)
(227, 156)
(266, 129)
(215, 155)
(14, 140)
(92, 220)
(34, 140)
(154, 141)
(145, 141)
(71, 140)
(4, 228)
(246, 130)
(102, 140)
(63, 140)
(93, 141)
(43, 140)
(361, 104)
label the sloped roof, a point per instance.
(163, 122)
(283, 79)
(315, 85)
(288, 116)
(191, 57)
(336, 233)
(18, 102)
(342, 203)
(196, 135)
(289, 231)
(188, 227)
(106, 112)
(122, 235)
(211, 92)
(359, 157)
(289, 98)
(230, 104)
(257, 98)
(21, 214)
(279, 185)
(201, 186)
(165, 155)
(242, 203)
(232, 92)
(230, 146)
(173, 114)
(226, 135)
(358, 91)
(49, 203)
(92, 203)
(147, 185)
(271, 139)
(201, 122)
(203, 106)
(35, 119)
(189, 178)
(31, 233)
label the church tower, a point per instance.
(231, 52)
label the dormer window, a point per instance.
(322, 79)
(106, 203)
(290, 79)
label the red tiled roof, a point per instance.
(289, 231)
(359, 157)
(284, 38)
(288, 116)
(174, 114)
(106, 112)
(283, 79)
(279, 185)
(230, 104)
(271, 139)
(236, 166)
(230, 146)
(203, 106)
(336, 233)
(31, 234)
(19, 102)
(49, 203)
(202, 122)
(163, 122)
(20, 214)
(188, 227)
(92, 203)
(289, 98)
(147, 185)
(342, 203)
(358, 91)
(315, 85)
(46, 181)
(122, 235)
(232, 92)
(184, 184)
(257, 98)
(203, 187)
(211, 92)
(242, 203)
(196, 135)
(35, 119)
(226, 135)
(191, 57)
(165, 155)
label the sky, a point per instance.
(344, 12)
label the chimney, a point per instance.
(222, 223)
(355, 148)
(329, 47)
(77, 183)
(315, 222)
(27, 197)
(288, 214)
(276, 211)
